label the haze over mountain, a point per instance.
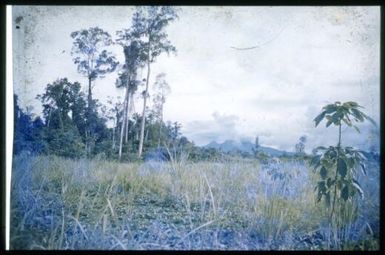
(244, 146)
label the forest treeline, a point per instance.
(74, 124)
(62, 130)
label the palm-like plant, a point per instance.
(342, 183)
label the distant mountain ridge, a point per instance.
(244, 146)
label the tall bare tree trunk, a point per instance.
(144, 111)
(88, 116)
(49, 118)
(335, 178)
(160, 124)
(89, 93)
(113, 135)
(160, 133)
(61, 122)
(87, 144)
(146, 136)
(123, 124)
(127, 120)
(127, 114)
(129, 111)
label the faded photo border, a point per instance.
(3, 190)
(8, 120)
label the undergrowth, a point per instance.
(59, 203)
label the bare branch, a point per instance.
(249, 48)
(258, 46)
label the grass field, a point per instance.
(237, 204)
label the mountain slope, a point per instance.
(244, 146)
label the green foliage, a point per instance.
(347, 113)
(89, 52)
(338, 165)
(347, 163)
(66, 143)
(150, 23)
(69, 122)
(28, 131)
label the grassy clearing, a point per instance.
(239, 204)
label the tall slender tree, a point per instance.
(114, 113)
(89, 52)
(134, 59)
(149, 24)
(300, 146)
(93, 61)
(256, 147)
(162, 89)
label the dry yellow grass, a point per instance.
(80, 204)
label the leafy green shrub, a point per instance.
(338, 165)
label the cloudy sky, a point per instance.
(304, 58)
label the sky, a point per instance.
(303, 58)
